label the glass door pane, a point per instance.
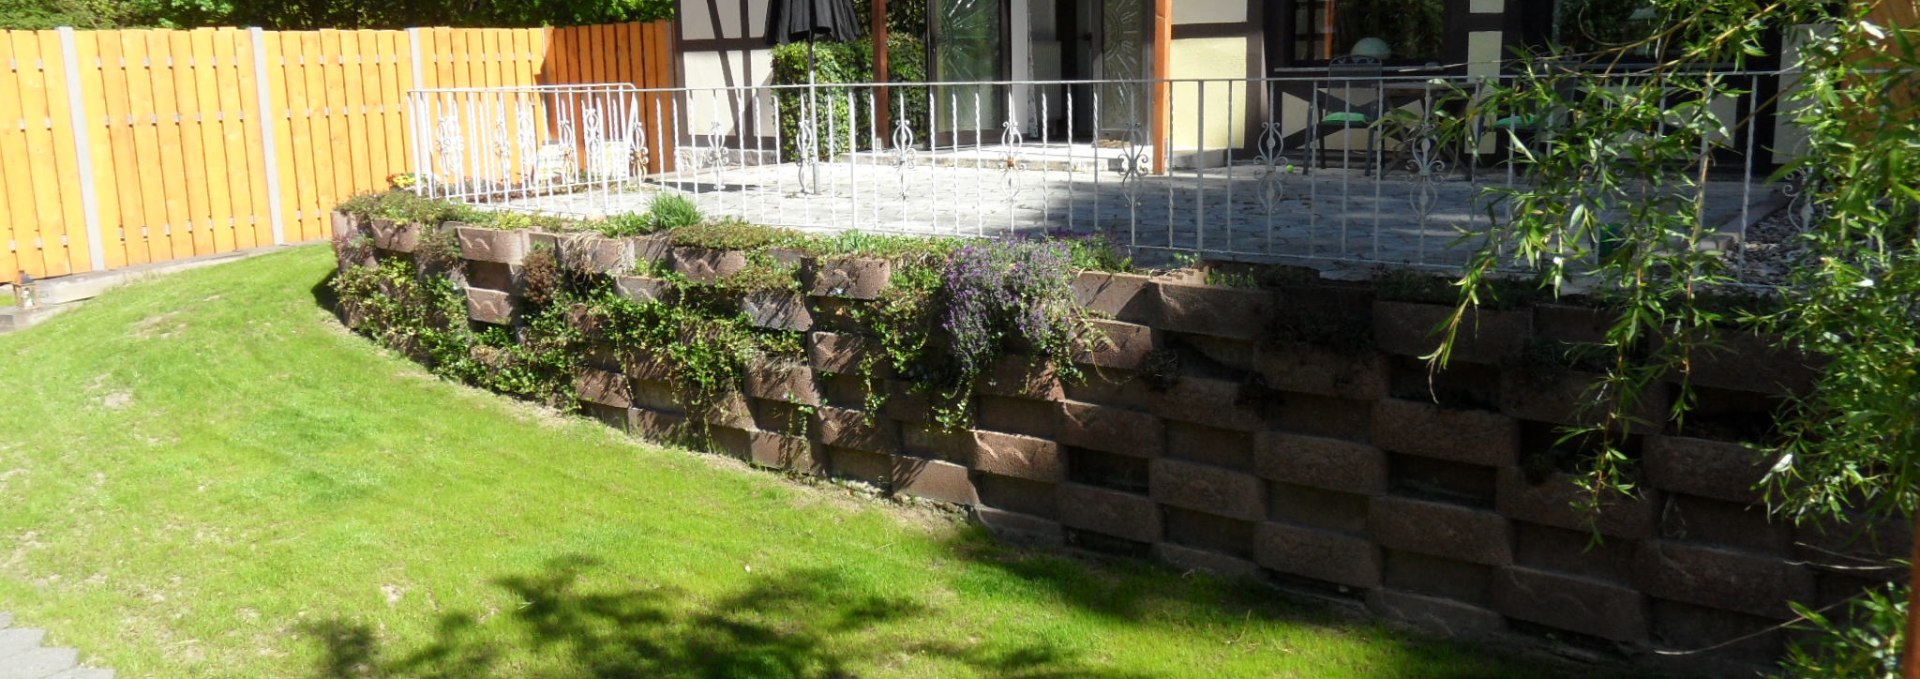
(967, 47)
(1123, 56)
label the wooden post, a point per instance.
(1162, 91)
(1910, 652)
(880, 75)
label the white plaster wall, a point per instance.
(1225, 110)
(1210, 11)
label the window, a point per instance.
(1395, 30)
(1588, 26)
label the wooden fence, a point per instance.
(127, 147)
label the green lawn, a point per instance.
(203, 475)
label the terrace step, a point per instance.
(22, 656)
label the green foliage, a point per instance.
(541, 279)
(628, 224)
(673, 210)
(1614, 202)
(706, 353)
(40, 15)
(407, 207)
(881, 246)
(849, 62)
(1864, 641)
(733, 235)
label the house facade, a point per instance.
(1259, 58)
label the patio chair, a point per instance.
(1349, 99)
(1534, 129)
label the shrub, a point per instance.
(629, 224)
(672, 211)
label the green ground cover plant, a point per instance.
(204, 475)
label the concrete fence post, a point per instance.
(83, 150)
(268, 145)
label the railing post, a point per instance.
(83, 150)
(276, 213)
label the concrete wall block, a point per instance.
(1721, 578)
(1208, 401)
(1111, 429)
(1317, 462)
(1190, 559)
(777, 310)
(1563, 397)
(395, 236)
(934, 480)
(850, 277)
(875, 469)
(1318, 554)
(1109, 512)
(1208, 489)
(493, 276)
(706, 265)
(780, 451)
(1583, 605)
(1700, 520)
(1018, 416)
(604, 387)
(1214, 311)
(1715, 469)
(838, 353)
(1750, 362)
(783, 381)
(1117, 345)
(731, 409)
(1024, 457)
(1552, 503)
(1017, 376)
(594, 254)
(1446, 617)
(1486, 337)
(1020, 527)
(651, 248)
(1471, 436)
(1327, 372)
(492, 245)
(925, 439)
(1126, 297)
(491, 306)
(1439, 529)
(848, 428)
(656, 425)
(645, 290)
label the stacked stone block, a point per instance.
(1208, 435)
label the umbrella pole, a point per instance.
(813, 102)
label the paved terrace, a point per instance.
(1239, 212)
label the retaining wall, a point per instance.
(1204, 438)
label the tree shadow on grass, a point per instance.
(801, 623)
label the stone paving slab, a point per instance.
(23, 657)
(1239, 212)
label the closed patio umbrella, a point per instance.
(811, 20)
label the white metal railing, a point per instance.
(1239, 178)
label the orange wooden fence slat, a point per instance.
(178, 47)
(18, 252)
(60, 95)
(146, 145)
(217, 175)
(175, 132)
(166, 122)
(246, 146)
(42, 235)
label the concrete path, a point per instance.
(23, 657)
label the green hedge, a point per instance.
(848, 62)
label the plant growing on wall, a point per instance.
(1850, 446)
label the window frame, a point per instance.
(1280, 37)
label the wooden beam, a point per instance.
(880, 34)
(1162, 91)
